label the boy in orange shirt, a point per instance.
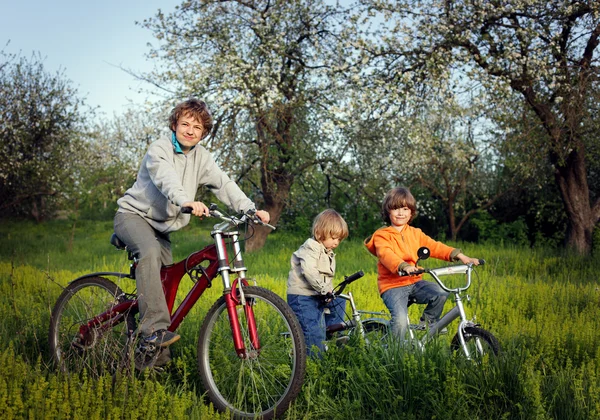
(396, 248)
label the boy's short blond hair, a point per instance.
(329, 224)
(195, 108)
(396, 198)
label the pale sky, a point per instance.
(88, 40)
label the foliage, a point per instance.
(113, 153)
(267, 70)
(41, 123)
(542, 305)
(488, 230)
(543, 52)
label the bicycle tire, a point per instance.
(98, 351)
(263, 385)
(375, 329)
(375, 325)
(480, 343)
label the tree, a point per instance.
(543, 51)
(267, 69)
(111, 157)
(435, 144)
(40, 122)
(450, 155)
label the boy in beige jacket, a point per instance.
(310, 281)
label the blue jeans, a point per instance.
(421, 292)
(311, 314)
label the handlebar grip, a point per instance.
(481, 262)
(353, 277)
(187, 210)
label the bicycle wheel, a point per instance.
(375, 328)
(264, 384)
(98, 350)
(479, 342)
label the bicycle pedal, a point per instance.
(146, 356)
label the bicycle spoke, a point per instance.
(267, 378)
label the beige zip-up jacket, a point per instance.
(312, 271)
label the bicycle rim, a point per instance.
(263, 384)
(97, 350)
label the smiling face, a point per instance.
(400, 217)
(188, 132)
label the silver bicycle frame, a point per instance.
(457, 312)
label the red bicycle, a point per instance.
(251, 350)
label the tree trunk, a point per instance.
(258, 240)
(572, 182)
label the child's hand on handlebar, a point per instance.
(198, 208)
(264, 216)
(328, 297)
(467, 260)
(410, 269)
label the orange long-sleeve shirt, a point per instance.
(393, 248)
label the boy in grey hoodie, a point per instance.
(168, 179)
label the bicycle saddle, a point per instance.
(116, 242)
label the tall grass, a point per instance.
(542, 305)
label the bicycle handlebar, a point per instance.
(347, 280)
(249, 216)
(440, 271)
(436, 273)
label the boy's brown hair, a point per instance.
(195, 108)
(329, 224)
(396, 198)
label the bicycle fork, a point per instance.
(457, 312)
(232, 301)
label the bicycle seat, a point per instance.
(116, 242)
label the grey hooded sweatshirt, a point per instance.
(167, 179)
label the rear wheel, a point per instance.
(375, 329)
(100, 348)
(479, 342)
(265, 382)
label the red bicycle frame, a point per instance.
(218, 263)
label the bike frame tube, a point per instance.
(444, 321)
(113, 316)
(171, 276)
(171, 285)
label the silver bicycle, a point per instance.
(474, 341)
(361, 323)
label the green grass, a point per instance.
(542, 305)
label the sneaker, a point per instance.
(161, 338)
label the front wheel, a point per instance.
(479, 343)
(263, 384)
(77, 339)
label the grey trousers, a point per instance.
(152, 249)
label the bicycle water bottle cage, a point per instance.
(197, 272)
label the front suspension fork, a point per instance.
(232, 303)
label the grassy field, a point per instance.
(542, 305)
